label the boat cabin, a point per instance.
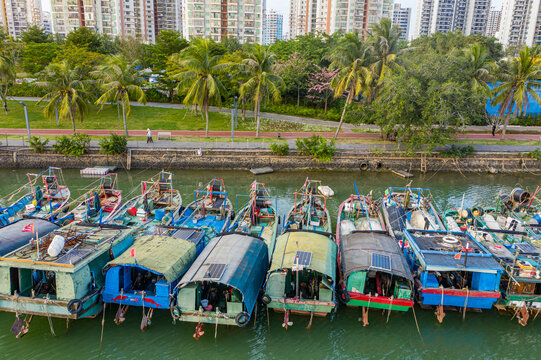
(452, 269)
(146, 273)
(60, 274)
(302, 274)
(222, 286)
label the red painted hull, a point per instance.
(380, 299)
(463, 293)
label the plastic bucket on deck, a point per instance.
(537, 218)
(159, 214)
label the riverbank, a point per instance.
(250, 156)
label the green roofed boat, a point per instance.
(309, 212)
(302, 275)
(60, 275)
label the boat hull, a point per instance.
(379, 302)
(305, 307)
(459, 298)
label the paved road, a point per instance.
(310, 121)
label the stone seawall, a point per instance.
(247, 159)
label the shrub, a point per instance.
(457, 151)
(37, 144)
(534, 154)
(73, 146)
(114, 144)
(279, 148)
(317, 147)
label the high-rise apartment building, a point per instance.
(520, 23)
(219, 19)
(467, 16)
(329, 16)
(273, 23)
(46, 22)
(493, 22)
(17, 15)
(402, 18)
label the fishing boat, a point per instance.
(158, 204)
(309, 212)
(99, 204)
(525, 208)
(59, 275)
(259, 216)
(302, 276)
(19, 233)
(222, 286)
(211, 210)
(451, 269)
(49, 203)
(409, 208)
(147, 273)
(509, 244)
(373, 270)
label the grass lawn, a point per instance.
(143, 117)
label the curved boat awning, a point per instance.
(363, 251)
(236, 260)
(165, 255)
(12, 237)
(322, 249)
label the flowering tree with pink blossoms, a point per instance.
(320, 85)
(293, 71)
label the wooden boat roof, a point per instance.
(12, 237)
(322, 248)
(165, 255)
(236, 260)
(83, 242)
(435, 255)
(363, 251)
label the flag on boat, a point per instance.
(28, 228)
(132, 253)
(457, 256)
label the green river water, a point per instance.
(486, 335)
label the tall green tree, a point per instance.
(120, 82)
(479, 67)
(519, 79)
(169, 42)
(35, 34)
(261, 81)
(66, 92)
(198, 70)
(8, 75)
(351, 56)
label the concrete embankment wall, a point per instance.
(247, 159)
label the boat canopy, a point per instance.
(12, 237)
(439, 251)
(372, 251)
(165, 255)
(236, 260)
(322, 249)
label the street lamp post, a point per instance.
(26, 118)
(235, 111)
(56, 110)
(232, 125)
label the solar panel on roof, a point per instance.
(73, 256)
(527, 248)
(188, 234)
(214, 271)
(303, 258)
(380, 261)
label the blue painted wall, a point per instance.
(534, 108)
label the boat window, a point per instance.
(32, 283)
(451, 279)
(310, 284)
(382, 284)
(143, 280)
(216, 295)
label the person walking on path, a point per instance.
(149, 136)
(494, 130)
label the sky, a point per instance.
(283, 7)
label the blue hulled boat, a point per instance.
(451, 269)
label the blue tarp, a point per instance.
(246, 260)
(12, 237)
(533, 107)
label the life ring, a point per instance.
(242, 319)
(266, 299)
(75, 306)
(343, 296)
(450, 240)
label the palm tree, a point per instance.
(261, 80)
(66, 92)
(480, 67)
(198, 69)
(120, 81)
(354, 77)
(7, 77)
(519, 78)
(383, 40)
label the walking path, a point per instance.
(311, 121)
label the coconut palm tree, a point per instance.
(7, 77)
(66, 92)
(120, 81)
(383, 40)
(479, 67)
(354, 77)
(198, 69)
(261, 80)
(519, 78)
